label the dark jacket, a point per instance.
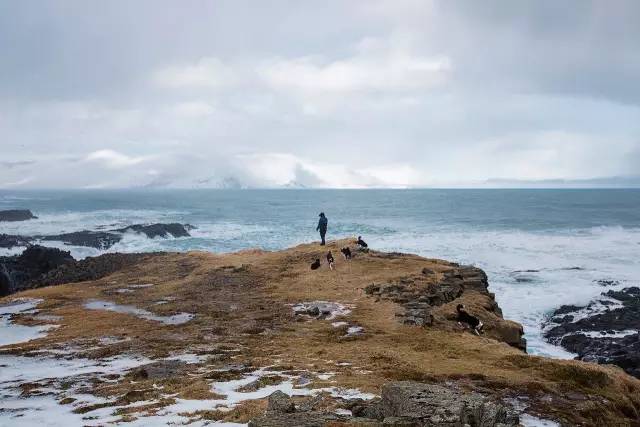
(322, 224)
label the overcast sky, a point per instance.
(99, 94)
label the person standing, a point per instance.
(322, 226)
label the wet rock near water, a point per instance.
(8, 241)
(604, 331)
(15, 215)
(94, 239)
(100, 239)
(106, 239)
(401, 404)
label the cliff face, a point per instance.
(224, 332)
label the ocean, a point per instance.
(540, 248)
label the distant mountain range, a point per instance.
(628, 181)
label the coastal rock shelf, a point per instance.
(257, 338)
(15, 215)
(100, 239)
(607, 330)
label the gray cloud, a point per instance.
(381, 93)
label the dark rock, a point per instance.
(281, 403)
(90, 268)
(106, 239)
(8, 241)
(94, 239)
(159, 230)
(16, 215)
(601, 323)
(40, 266)
(607, 282)
(16, 272)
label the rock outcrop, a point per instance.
(100, 239)
(106, 239)
(404, 403)
(14, 215)
(421, 294)
(18, 271)
(605, 331)
(8, 241)
(40, 266)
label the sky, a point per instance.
(357, 94)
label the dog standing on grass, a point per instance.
(346, 252)
(330, 260)
(464, 317)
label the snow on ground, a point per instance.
(176, 319)
(15, 334)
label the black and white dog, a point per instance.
(472, 321)
(316, 264)
(330, 260)
(362, 243)
(346, 252)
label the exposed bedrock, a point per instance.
(106, 239)
(421, 295)
(604, 331)
(8, 241)
(14, 215)
(19, 270)
(403, 403)
(40, 266)
(100, 239)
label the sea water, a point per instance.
(540, 248)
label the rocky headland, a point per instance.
(258, 338)
(607, 330)
(99, 239)
(14, 215)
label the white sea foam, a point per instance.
(607, 334)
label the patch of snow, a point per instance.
(10, 333)
(328, 310)
(339, 324)
(530, 421)
(146, 285)
(188, 357)
(124, 291)
(325, 377)
(44, 409)
(355, 330)
(176, 319)
(346, 412)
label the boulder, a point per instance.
(280, 402)
(16, 215)
(436, 405)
